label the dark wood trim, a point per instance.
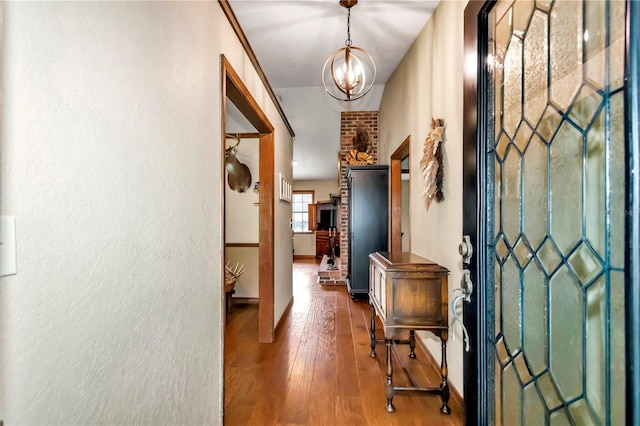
(632, 287)
(283, 318)
(233, 21)
(242, 98)
(395, 194)
(234, 90)
(232, 245)
(456, 401)
(267, 239)
(477, 365)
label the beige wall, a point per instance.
(112, 166)
(241, 209)
(406, 216)
(247, 284)
(305, 244)
(242, 222)
(428, 83)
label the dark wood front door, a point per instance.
(550, 162)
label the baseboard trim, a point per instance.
(245, 301)
(303, 256)
(284, 316)
(455, 399)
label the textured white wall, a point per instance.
(111, 163)
(428, 83)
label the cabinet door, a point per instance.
(312, 216)
(369, 219)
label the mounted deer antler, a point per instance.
(238, 174)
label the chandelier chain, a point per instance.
(348, 42)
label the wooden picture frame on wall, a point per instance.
(286, 188)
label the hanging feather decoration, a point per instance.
(431, 163)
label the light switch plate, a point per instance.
(7, 246)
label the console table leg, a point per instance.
(389, 386)
(444, 371)
(373, 331)
(412, 344)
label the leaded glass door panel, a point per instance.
(556, 221)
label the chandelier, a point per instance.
(350, 71)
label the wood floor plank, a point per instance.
(318, 370)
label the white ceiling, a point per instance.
(292, 39)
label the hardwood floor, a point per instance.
(318, 371)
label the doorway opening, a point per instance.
(234, 90)
(399, 198)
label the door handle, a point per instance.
(466, 286)
(466, 249)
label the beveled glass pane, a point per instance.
(501, 248)
(502, 145)
(595, 185)
(566, 333)
(498, 392)
(535, 318)
(513, 86)
(581, 413)
(511, 399)
(535, 68)
(535, 188)
(522, 252)
(595, 350)
(502, 38)
(521, 367)
(504, 26)
(533, 408)
(585, 264)
(617, 43)
(594, 40)
(511, 319)
(501, 352)
(496, 295)
(522, 11)
(522, 136)
(566, 187)
(549, 124)
(497, 191)
(559, 418)
(618, 361)
(543, 4)
(498, 81)
(511, 195)
(565, 52)
(549, 257)
(617, 183)
(585, 107)
(549, 391)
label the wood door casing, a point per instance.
(234, 89)
(395, 194)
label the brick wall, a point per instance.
(349, 123)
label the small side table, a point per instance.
(409, 292)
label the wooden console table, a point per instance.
(409, 292)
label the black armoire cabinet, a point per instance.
(368, 222)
